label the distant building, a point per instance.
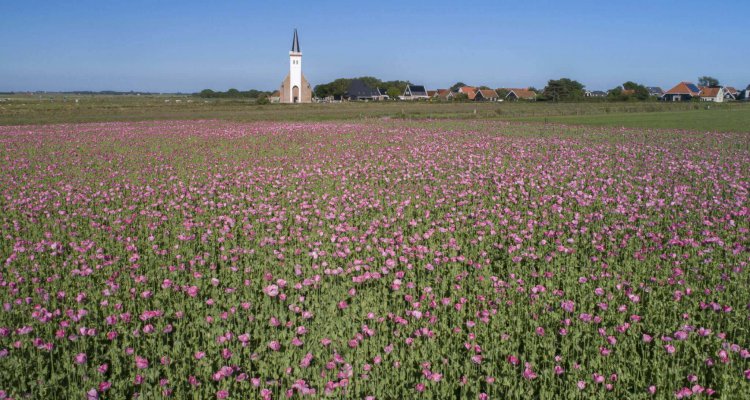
(714, 94)
(358, 90)
(486, 95)
(469, 91)
(275, 97)
(683, 91)
(414, 92)
(382, 94)
(295, 88)
(730, 93)
(519, 94)
(595, 93)
(744, 95)
(444, 94)
(655, 91)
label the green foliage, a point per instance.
(394, 92)
(232, 94)
(564, 89)
(460, 97)
(629, 91)
(709, 81)
(339, 86)
(456, 86)
(616, 94)
(502, 93)
(399, 86)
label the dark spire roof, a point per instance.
(295, 42)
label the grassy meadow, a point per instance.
(26, 110)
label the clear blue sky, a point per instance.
(190, 45)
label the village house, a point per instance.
(486, 95)
(595, 93)
(275, 97)
(744, 95)
(683, 91)
(443, 94)
(655, 91)
(469, 91)
(414, 92)
(519, 94)
(730, 93)
(382, 94)
(714, 94)
(358, 90)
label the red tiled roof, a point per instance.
(523, 93)
(470, 91)
(682, 88)
(443, 93)
(709, 91)
(730, 90)
(488, 93)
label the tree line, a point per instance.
(563, 89)
(340, 86)
(233, 94)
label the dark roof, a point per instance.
(654, 90)
(295, 42)
(417, 90)
(358, 88)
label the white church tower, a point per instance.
(295, 68)
(295, 88)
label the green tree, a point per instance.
(370, 81)
(640, 92)
(563, 89)
(460, 97)
(456, 86)
(616, 94)
(398, 85)
(207, 93)
(708, 81)
(393, 92)
(502, 93)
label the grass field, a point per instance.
(24, 110)
(735, 119)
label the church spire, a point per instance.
(295, 42)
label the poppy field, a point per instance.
(373, 260)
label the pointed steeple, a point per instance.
(295, 42)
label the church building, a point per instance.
(295, 88)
